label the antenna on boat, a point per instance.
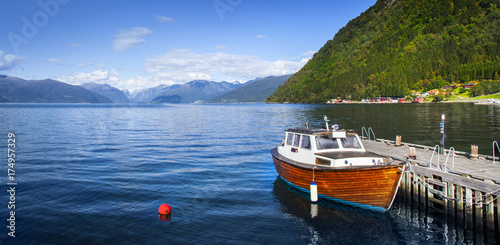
(326, 121)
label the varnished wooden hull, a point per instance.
(372, 187)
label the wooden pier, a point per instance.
(464, 184)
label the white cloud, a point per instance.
(9, 61)
(55, 61)
(97, 76)
(260, 36)
(141, 82)
(112, 78)
(183, 65)
(164, 19)
(178, 66)
(127, 39)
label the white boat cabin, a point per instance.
(335, 148)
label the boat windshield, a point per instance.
(296, 140)
(289, 139)
(326, 142)
(351, 142)
(306, 142)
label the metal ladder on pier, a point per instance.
(437, 189)
(444, 168)
(370, 130)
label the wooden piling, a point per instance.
(497, 205)
(468, 206)
(474, 151)
(415, 184)
(413, 153)
(398, 140)
(460, 204)
(408, 184)
(490, 212)
(478, 208)
(451, 195)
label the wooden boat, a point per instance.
(338, 163)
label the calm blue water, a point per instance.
(96, 174)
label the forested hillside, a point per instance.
(402, 45)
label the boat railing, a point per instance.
(495, 143)
(436, 149)
(370, 130)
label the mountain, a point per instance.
(252, 91)
(17, 90)
(147, 95)
(127, 93)
(114, 94)
(399, 45)
(194, 91)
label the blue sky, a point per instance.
(141, 44)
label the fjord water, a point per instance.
(92, 173)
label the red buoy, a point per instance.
(164, 209)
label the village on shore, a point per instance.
(447, 94)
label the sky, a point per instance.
(142, 44)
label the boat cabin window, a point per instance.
(289, 139)
(351, 142)
(306, 142)
(296, 141)
(326, 142)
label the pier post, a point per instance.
(479, 209)
(469, 206)
(408, 184)
(398, 140)
(460, 202)
(498, 214)
(451, 195)
(490, 213)
(424, 192)
(416, 184)
(413, 153)
(474, 151)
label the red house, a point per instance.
(469, 85)
(418, 100)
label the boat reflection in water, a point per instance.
(331, 222)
